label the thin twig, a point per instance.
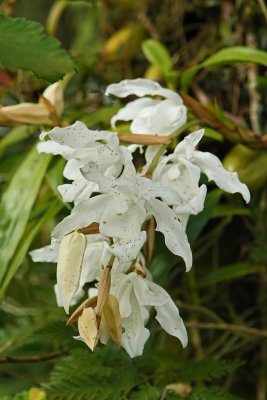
(229, 327)
(32, 359)
(263, 8)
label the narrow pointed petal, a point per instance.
(213, 168)
(187, 146)
(46, 254)
(169, 318)
(148, 293)
(141, 87)
(83, 214)
(76, 135)
(131, 110)
(174, 234)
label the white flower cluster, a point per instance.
(101, 241)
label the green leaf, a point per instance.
(24, 45)
(54, 178)
(207, 370)
(230, 55)
(16, 135)
(17, 203)
(31, 231)
(230, 272)
(145, 392)
(197, 222)
(157, 54)
(106, 374)
(202, 392)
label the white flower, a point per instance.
(79, 145)
(136, 296)
(96, 256)
(149, 115)
(122, 209)
(181, 171)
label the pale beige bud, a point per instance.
(26, 113)
(69, 266)
(54, 94)
(111, 319)
(104, 289)
(45, 112)
(182, 389)
(88, 327)
(85, 304)
(139, 269)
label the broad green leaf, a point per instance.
(17, 203)
(24, 45)
(103, 114)
(230, 272)
(230, 55)
(226, 210)
(21, 251)
(16, 135)
(157, 54)
(54, 178)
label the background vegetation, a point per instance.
(213, 52)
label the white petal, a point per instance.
(95, 257)
(148, 189)
(79, 190)
(213, 168)
(52, 147)
(135, 334)
(131, 110)
(47, 253)
(195, 205)
(169, 318)
(83, 214)
(148, 293)
(186, 147)
(77, 135)
(174, 234)
(141, 87)
(127, 251)
(121, 222)
(161, 119)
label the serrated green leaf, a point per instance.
(202, 392)
(17, 203)
(230, 55)
(145, 392)
(230, 272)
(207, 370)
(106, 374)
(24, 45)
(157, 54)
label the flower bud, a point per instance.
(88, 328)
(111, 319)
(69, 266)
